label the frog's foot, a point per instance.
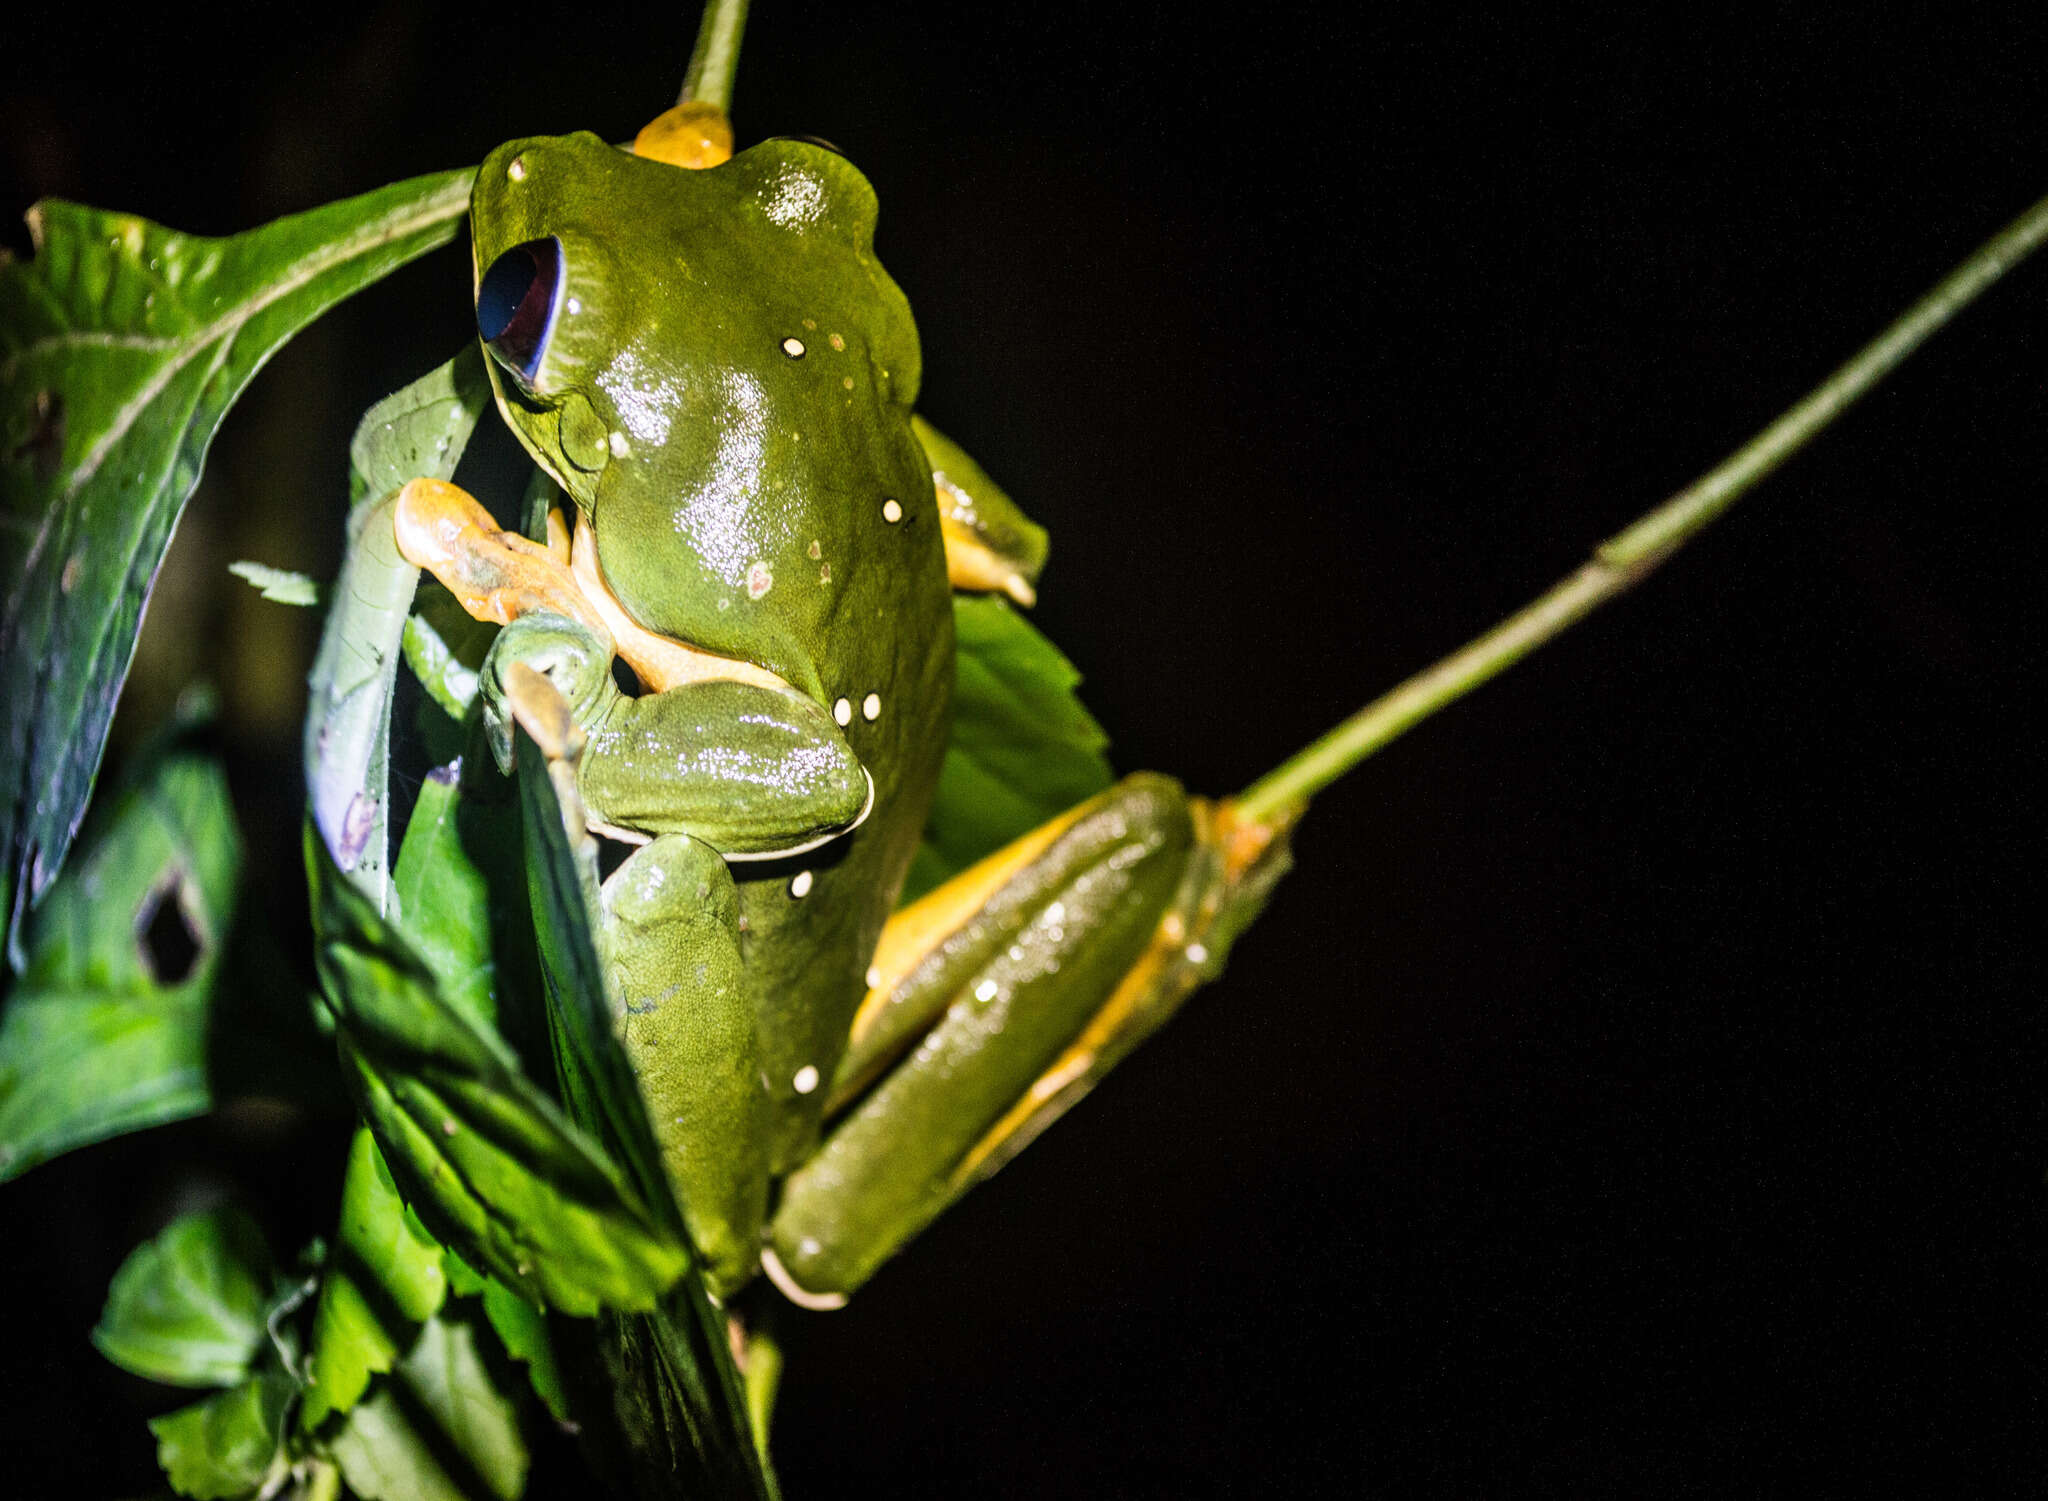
(692, 134)
(494, 574)
(991, 545)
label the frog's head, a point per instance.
(715, 367)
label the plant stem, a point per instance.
(716, 57)
(1631, 556)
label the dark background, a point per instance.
(1636, 1087)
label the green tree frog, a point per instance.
(704, 354)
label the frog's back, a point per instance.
(726, 390)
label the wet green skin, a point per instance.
(737, 497)
(995, 1003)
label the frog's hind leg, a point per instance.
(672, 933)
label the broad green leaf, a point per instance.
(383, 1279)
(459, 891)
(122, 346)
(438, 1430)
(279, 585)
(228, 1445)
(678, 1399)
(523, 1330)
(485, 1158)
(1022, 749)
(187, 1307)
(107, 1030)
(420, 431)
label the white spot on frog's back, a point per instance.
(793, 347)
(892, 511)
(871, 707)
(806, 1079)
(795, 200)
(800, 884)
(842, 712)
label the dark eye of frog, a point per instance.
(517, 304)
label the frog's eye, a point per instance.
(517, 304)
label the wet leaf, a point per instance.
(122, 346)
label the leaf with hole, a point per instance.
(107, 1030)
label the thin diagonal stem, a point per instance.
(1631, 556)
(716, 58)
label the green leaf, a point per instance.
(107, 1030)
(680, 1405)
(228, 1445)
(187, 1307)
(1022, 749)
(481, 1153)
(279, 585)
(440, 1430)
(383, 1279)
(458, 890)
(418, 432)
(523, 1330)
(445, 647)
(122, 346)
